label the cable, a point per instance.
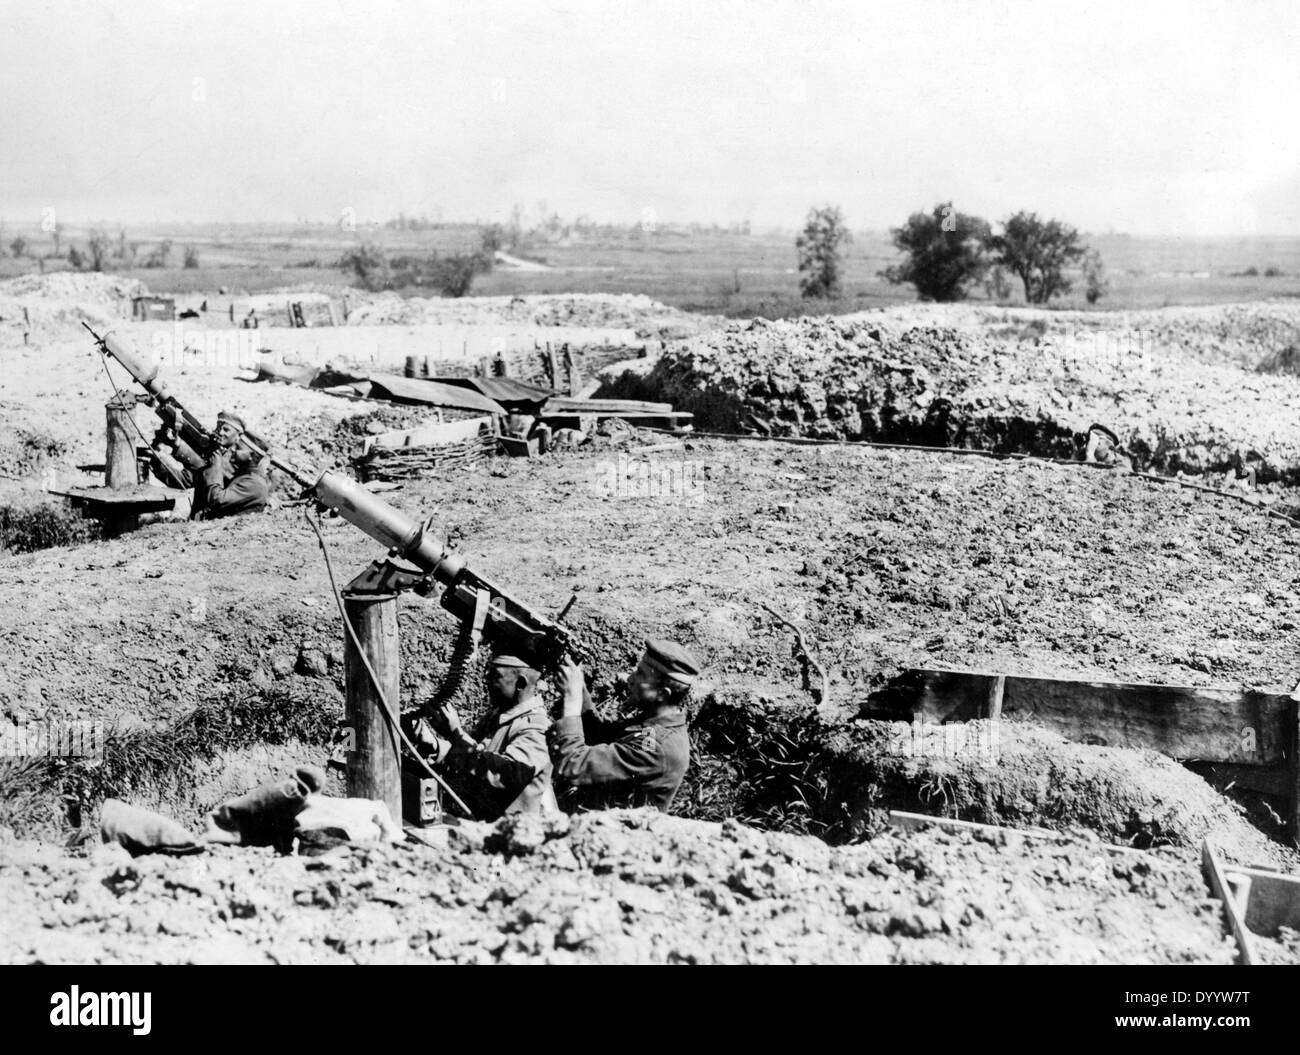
(394, 725)
(103, 359)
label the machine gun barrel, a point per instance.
(513, 625)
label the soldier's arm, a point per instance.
(523, 758)
(246, 492)
(171, 470)
(634, 756)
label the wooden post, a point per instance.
(574, 371)
(121, 467)
(1294, 818)
(997, 686)
(374, 765)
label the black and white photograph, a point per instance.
(673, 483)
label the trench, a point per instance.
(939, 423)
(771, 766)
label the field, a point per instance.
(211, 654)
(717, 272)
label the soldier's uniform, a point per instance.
(509, 762)
(506, 758)
(224, 485)
(639, 761)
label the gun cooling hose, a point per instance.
(394, 725)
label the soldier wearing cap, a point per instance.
(641, 760)
(229, 480)
(506, 762)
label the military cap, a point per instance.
(506, 660)
(671, 660)
(233, 419)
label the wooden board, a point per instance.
(1187, 722)
(572, 405)
(1272, 899)
(429, 434)
(1219, 887)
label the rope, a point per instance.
(976, 452)
(394, 725)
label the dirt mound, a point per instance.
(54, 304)
(605, 310)
(855, 378)
(615, 888)
(90, 288)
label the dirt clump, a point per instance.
(616, 887)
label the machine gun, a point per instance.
(506, 622)
(188, 429)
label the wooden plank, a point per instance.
(1187, 722)
(1213, 869)
(428, 434)
(1272, 901)
(572, 405)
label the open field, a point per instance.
(706, 271)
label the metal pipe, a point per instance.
(386, 525)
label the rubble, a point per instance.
(616, 887)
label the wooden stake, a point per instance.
(374, 765)
(996, 688)
(1220, 888)
(1294, 820)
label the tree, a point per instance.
(945, 253)
(75, 258)
(819, 252)
(99, 249)
(454, 275)
(1094, 276)
(368, 263)
(191, 257)
(1038, 251)
(18, 246)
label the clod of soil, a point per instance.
(616, 887)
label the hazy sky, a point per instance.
(1152, 118)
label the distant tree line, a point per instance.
(946, 253)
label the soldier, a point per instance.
(507, 764)
(229, 480)
(641, 760)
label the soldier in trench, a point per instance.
(229, 480)
(504, 766)
(640, 760)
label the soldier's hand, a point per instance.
(573, 687)
(448, 720)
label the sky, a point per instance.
(1140, 117)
